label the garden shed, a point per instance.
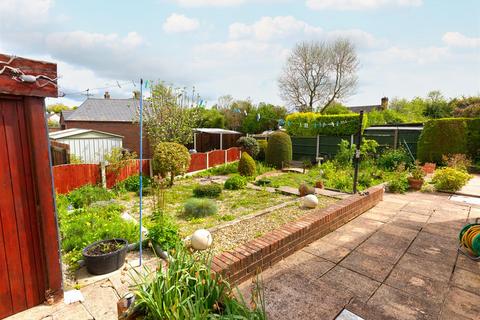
(207, 139)
(88, 145)
(30, 268)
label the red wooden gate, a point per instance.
(22, 283)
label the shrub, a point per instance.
(345, 153)
(308, 124)
(279, 150)
(449, 179)
(457, 161)
(262, 145)
(249, 145)
(246, 165)
(398, 183)
(200, 207)
(221, 170)
(132, 183)
(391, 159)
(440, 137)
(170, 158)
(211, 190)
(235, 183)
(86, 195)
(263, 182)
(164, 232)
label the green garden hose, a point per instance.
(469, 238)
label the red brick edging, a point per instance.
(243, 262)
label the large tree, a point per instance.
(169, 115)
(319, 73)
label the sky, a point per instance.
(406, 48)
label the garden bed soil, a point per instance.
(104, 248)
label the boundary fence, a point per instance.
(68, 177)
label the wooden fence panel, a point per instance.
(60, 153)
(233, 154)
(216, 157)
(130, 169)
(68, 177)
(198, 162)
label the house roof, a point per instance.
(111, 110)
(357, 109)
(81, 133)
(216, 131)
(66, 113)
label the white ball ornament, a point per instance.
(310, 201)
(201, 239)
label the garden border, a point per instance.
(245, 261)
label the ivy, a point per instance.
(305, 124)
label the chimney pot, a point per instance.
(106, 95)
(384, 103)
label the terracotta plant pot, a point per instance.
(415, 184)
(319, 184)
(429, 167)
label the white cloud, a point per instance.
(82, 40)
(425, 55)
(24, 12)
(180, 23)
(359, 4)
(456, 39)
(209, 3)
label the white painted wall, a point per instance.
(91, 150)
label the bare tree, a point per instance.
(319, 73)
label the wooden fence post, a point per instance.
(103, 174)
(150, 167)
(226, 156)
(207, 159)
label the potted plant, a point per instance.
(319, 184)
(105, 256)
(415, 180)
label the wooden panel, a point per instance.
(41, 88)
(72, 176)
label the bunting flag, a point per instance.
(258, 117)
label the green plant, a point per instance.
(345, 153)
(235, 183)
(262, 145)
(449, 179)
(279, 150)
(417, 172)
(164, 232)
(221, 170)
(392, 158)
(200, 207)
(308, 124)
(263, 182)
(132, 183)
(170, 158)
(249, 145)
(117, 159)
(210, 190)
(88, 194)
(398, 183)
(187, 288)
(246, 165)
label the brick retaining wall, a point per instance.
(243, 262)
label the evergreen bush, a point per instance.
(262, 145)
(235, 182)
(200, 207)
(170, 158)
(449, 179)
(211, 190)
(279, 150)
(249, 145)
(246, 165)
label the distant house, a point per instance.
(116, 116)
(86, 144)
(382, 106)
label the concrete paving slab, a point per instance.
(307, 265)
(349, 240)
(347, 315)
(403, 306)
(467, 281)
(327, 250)
(76, 311)
(434, 247)
(462, 303)
(410, 220)
(100, 301)
(468, 264)
(428, 268)
(372, 267)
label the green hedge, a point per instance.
(307, 124)
(449, 136)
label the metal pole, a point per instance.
(141, 167)
(357, 152)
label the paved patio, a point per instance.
(396, 261)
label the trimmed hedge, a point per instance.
(246, 165)
(449, 136)
(211, 190)
(308, 124)
(235, 182)
(262, 144)
(279, 150)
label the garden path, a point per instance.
(398, 260)
(472, 187)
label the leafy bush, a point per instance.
(263, 182)
(262, 145)
(235, 183)
(246, 165)
(279, 150)
(200, 207)
(221, 170)
(187, 288)
(336, 108)
(453, 136)
(132, 183)
(457, 161)
(449, 179)
(211, 190)
(473, 138)
(398, 183)
(164, 232)
(392, 158)
(81, 227)
(345, 153)
(170, 158)
(88, 194)
(249, 145)
(308, 124)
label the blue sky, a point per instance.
(405, 47)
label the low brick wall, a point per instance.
(243, 262)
